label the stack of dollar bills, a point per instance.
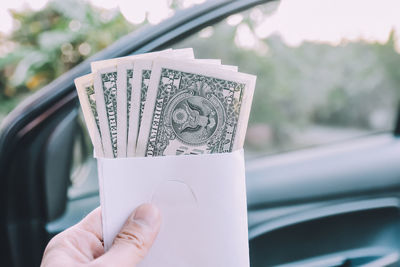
(165, 103)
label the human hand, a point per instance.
(82, 245)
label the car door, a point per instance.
(330, 202)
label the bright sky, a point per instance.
(333, 20)
(328, 21)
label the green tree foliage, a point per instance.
(50, 42)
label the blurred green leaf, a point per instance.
(71, 9)
(52, 40)
(28, 64)
(14, 58)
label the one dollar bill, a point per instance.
(86, 95)
(105, 86)
(191, 109)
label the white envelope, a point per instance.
(202, 199)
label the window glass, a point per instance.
(325, 72)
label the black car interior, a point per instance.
(337, 205)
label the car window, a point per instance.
(324, 73)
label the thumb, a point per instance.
(135, 238)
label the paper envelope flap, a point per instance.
(202, 199)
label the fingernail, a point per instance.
(147, 214)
